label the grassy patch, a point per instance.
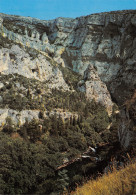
(118, 182)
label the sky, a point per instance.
(50, 9)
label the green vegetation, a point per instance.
(31, 154)
(21, 93)
(52, 154)
(23, 165)
(12, 26)
(71, 78)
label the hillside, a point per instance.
(67, 98)
(121, 181)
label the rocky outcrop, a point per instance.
(95, 88)
(105, 40)
(16, 60)
(20, 117)
(102, 47)
(124, 133)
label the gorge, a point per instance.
(66, 85)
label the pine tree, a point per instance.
(54, 129)
(62, 181)
(86, 111)
(61, 125)
(74, 121)
(71, 120)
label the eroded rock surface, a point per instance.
(95, 88)
(20, 117)
(16, 60)
(102, 47)
(105, 40)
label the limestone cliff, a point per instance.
(101, 47)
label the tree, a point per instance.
(62, 181)
(71, 120)
(41, 114)
(54, 129)
(61, 125)
(23, 166)
(74, 121)
(86, 111)
(8, 127)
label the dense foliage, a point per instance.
(30, 154)
(20, 93)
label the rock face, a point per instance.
(95, 88)
(102, 47)
(20, 117)
(16, 60)
(105, 40)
